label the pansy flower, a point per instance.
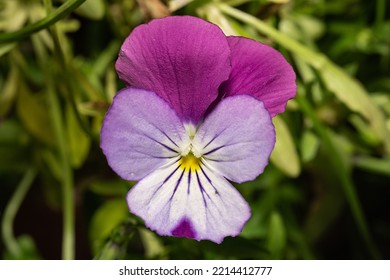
(195, 115)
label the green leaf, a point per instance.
(28, 249)
(213, 14)
(233, 248)
(14, 154)
(257, 226)
(11, 133)
(309, 146)
(92, 9)
(105, 219)
(32, 110)
(52, 162)
(276, 236)
(364, 130)
(326, 204)
(115, 246)
(153, 245)
(110, 87)
(8, 92)
(285, 155)
(116, 187)
(383, 101)
(353, 95)
(105, 60)
(312, 27)
(5, 48)
(79, 141)
(303, 27)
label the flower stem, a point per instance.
(57, 15)
(68, 238)
(68, 227)
(12, 209)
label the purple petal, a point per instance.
(236, 138)
(193, 204)
(260, 71)
(183, 59)
(141, 133)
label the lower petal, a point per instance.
(194, 204)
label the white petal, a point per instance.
(141, 133)
(199, 205)
(236, 138)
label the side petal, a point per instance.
(191, 204)
(236, 138)
(260, 71)
(141, 133)
(181, 58)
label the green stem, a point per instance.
(374, 165)
(68, 234)
(235, 2)
(380, 12)
(342, 172)
(60, 13)
(317, 60)
(68, 237)
(12, 209)
(64, 63)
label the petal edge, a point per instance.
(140, 133)
(183, 59)
(236, 138)
(201, 205)
(260, 71)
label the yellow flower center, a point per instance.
(190, 163)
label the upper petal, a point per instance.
(236, 138)
(193, 204)
(181, 58)
(141, 133)
(260, 71)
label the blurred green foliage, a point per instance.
(323, 196)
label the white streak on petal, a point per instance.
(199, 205)
(236, 138)
(141, 133)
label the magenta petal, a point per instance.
(141, 133)
(260, 71)
(183, 59)
(236, 138)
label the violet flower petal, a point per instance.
(182, 59)
(201, 204)
(260, 71)
(236, 138)
(141, 133)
